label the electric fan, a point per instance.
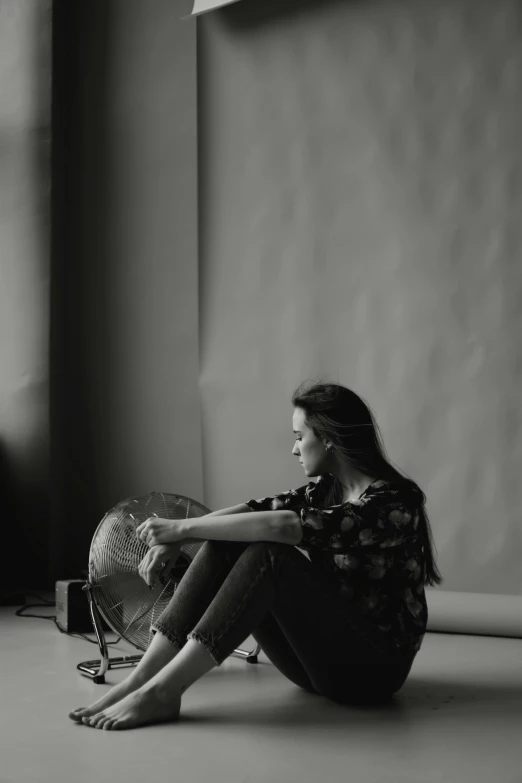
(115, 590)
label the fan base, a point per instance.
(90, 668)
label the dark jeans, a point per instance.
(232, 590)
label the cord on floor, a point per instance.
(44, 602)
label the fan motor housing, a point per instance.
(72, 606)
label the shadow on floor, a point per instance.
(296, 707)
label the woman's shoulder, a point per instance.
(395, 489)
(315, 491)
(318, 493)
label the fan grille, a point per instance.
(124, 599)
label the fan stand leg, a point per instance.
(249, 656)
(96, 669)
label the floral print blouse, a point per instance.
(371, 548)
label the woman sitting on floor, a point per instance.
(345, 623)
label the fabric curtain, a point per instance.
(25, 214)
(99, 295)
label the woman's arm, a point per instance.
(281, 526)
(242, 508)
(230, 524)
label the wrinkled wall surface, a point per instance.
(361, 188)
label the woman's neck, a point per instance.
(353, 484)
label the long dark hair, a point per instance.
(334, 412)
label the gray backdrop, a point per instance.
(360, 217)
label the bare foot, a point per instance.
(116, 694)
(160, 652)
(149, 704)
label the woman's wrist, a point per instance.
(183, 530)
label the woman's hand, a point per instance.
(157, 560)
(155, 531)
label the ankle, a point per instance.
(164, 693)
(137, 678)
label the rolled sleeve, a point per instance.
(293, 499)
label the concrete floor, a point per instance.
(457, 719)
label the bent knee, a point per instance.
(222, 547)
(273, 548)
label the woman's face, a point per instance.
(309, 448)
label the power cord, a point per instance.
(20, 613)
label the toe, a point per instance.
(107, 726)
(77, 714)
(97, 719)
